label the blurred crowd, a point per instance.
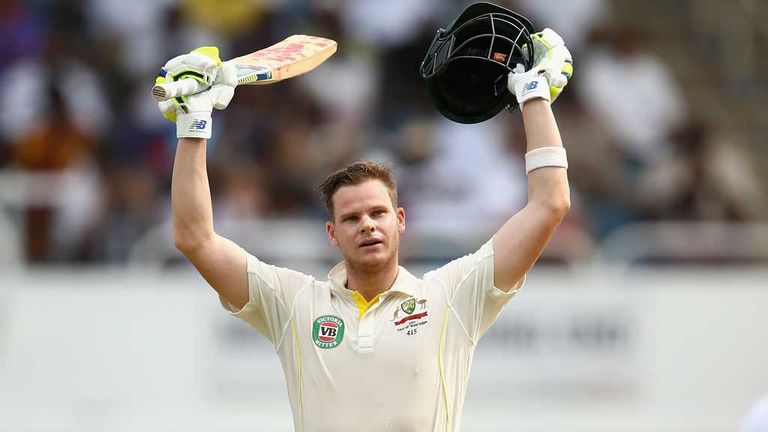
(75, 101)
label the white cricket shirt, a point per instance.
(401, 366)
(757, 417)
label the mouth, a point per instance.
(370, 243)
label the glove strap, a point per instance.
(194, 125)
(532, 88)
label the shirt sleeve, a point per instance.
(271, 293)
(757, 417)
(472, 296)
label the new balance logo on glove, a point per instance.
(531, 85)
(198, 125)
(532, 88)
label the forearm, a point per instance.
(547, 186)
(520, 241)
(190, 195)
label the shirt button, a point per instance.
(364, 343)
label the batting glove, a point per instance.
(553, 68)
(192, 113)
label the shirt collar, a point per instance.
(404, 283)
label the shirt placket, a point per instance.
(366, 329)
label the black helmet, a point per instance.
(467, 64)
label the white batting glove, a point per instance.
(553, 68)
(201, 64)
(192, 113)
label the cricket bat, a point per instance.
(288, 58)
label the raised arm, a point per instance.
(520, 241)
(220, 261)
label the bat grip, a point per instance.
(182, 87)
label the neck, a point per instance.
(368, 282)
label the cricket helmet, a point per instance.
(467, 64)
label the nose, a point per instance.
(367, 225)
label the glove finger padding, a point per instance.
(192, 113)
(549, 38)
(552, 63)
(198, 102)
(560, 71)
(224, 88)
(201, 64)
(168, 109)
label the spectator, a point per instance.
(703, 179)
(603, 188)
(632, 92)
(444, 160)
(574, 19)
(70, 70)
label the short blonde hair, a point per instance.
(355, 174)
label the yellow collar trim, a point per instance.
(362, 305)
(404, 282)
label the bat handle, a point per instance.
(182, 87)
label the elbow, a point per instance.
(556, 211)
(187, 243)
(554, 207)
(561, 206)
(551, 196)
(183, 245)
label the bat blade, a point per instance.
(293, 56)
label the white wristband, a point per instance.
(194, 125)
(527, 89)
(545, 157)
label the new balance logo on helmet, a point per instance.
(198, 125)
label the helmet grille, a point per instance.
(466, 67)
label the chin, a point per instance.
(373, 261)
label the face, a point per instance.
(366, 226)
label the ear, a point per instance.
(400, 213)
(331, 231)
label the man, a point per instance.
(373, 348)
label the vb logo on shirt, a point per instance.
(327, 331)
